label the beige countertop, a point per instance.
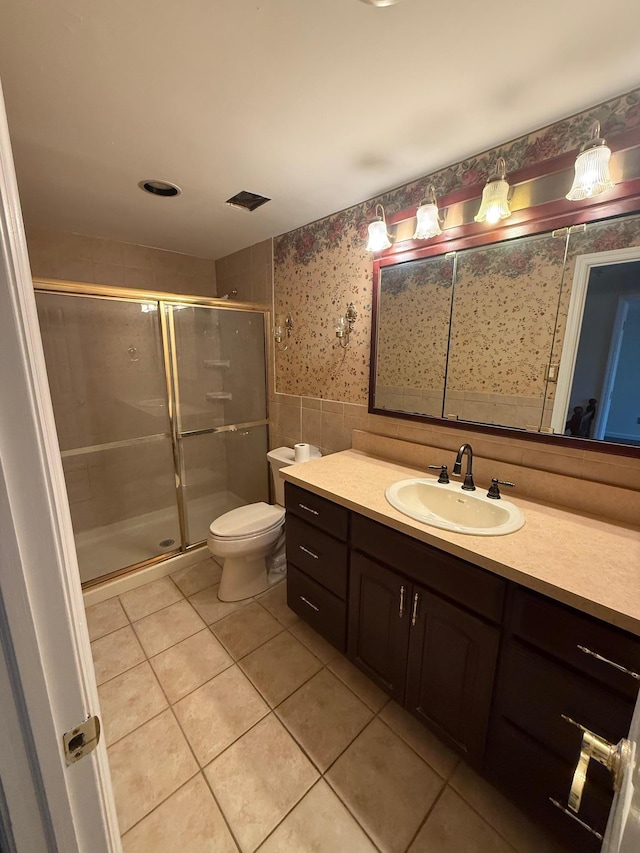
(578, 559)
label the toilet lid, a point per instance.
(247, 520)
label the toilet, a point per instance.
(251, 537)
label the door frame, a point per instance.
(569, 355)
(613, 359)
(45, 638)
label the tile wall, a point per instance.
(250, 272)
(75, 257)
(329, 425)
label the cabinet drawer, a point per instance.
(536, 693)
(319, 608)
(561, 631)
(462, 582)
(318, 555)
(317, 511)
(530, 776)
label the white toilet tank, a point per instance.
(278, 458)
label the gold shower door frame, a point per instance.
(165, 302)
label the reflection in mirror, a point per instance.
(516, 309)
(412, 335)
(598, 335)
(502, 326)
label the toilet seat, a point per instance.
(247, 521)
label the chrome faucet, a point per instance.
(468, 485)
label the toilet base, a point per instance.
(243, 578)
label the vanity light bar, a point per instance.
(592, 178)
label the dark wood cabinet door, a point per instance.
(378, 635)
(452, 662)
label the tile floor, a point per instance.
(236, 727)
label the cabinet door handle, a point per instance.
(602, 659)
(573, 817)
(401, 612)
(308, 509)
(307, 551)
(414, 611)
(309, 604)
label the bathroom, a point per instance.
(314, 390)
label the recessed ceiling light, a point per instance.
(379, 2)
(162, 188)
(247, 201)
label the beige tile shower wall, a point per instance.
(250, 272)
(75, 257)
(329, 424)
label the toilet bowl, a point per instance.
(245, 538)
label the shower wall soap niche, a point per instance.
(218, 395)
(217, 362)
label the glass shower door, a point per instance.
(219, 385)
(106, 374)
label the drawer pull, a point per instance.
(309, 604)
(307, 551)
(573, 817)
(308, 509)
(610, 662)
(414, 612)
(401, 612)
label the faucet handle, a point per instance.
(494, 491)
(444, 473)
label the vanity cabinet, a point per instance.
(428, 651)
(559, 670)
(317, 563)
(502, 674)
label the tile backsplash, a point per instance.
(329, 425)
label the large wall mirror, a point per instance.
(538, 333)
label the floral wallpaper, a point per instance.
(413, 324)
(504, 310)
(316, 294)
(322, 266)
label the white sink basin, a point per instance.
(451, 508)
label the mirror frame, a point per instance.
(546, 217)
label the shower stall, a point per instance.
(161, 411)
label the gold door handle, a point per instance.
(615, 757)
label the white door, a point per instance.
(623, 829)
(47, 682)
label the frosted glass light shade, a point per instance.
(592, 175)
(378, 237)
(427, 222)
(495, 202)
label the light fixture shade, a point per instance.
(495, 202)
(427, 221)
(378, 237)
(592, 175)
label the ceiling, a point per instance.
(318, 105)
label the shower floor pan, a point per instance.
(107, 549)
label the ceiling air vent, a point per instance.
(247, 201)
